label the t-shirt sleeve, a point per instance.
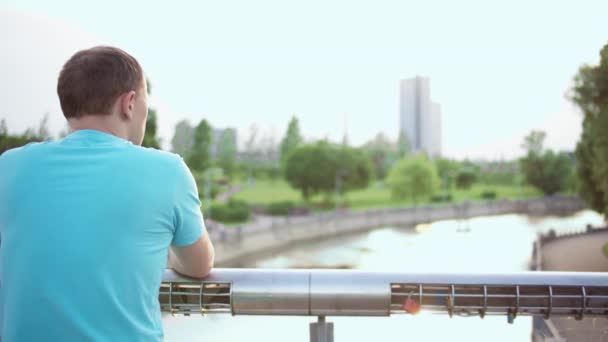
(188, 219)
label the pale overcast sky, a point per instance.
(498, 68)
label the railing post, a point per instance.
(321, 331)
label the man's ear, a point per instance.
(127, 104)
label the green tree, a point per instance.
(321, 167)
(150, 138)
(200, 157)
(310, 169)
(9, 141)
(43, 128)
(588, 170)
(382, 153)
(250, 158)
(413, 177)
(403, 144)
(353, 168)
(590, 93)
(544, 169)
(447, 170)
(533, 142)
(226, 151)
(291, 140)
(183, 138)
(3, 128)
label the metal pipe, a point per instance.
(360, 293)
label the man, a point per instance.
(87, 222)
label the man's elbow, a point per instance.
(206, 267)
(195, 260)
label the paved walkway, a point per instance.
(580, 253)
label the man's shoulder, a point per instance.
(23, 150)
(160, 166)
(157, 157)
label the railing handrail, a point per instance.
(362, 293)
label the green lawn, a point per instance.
(265, 192)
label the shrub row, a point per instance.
(286, 208)
(232, 212)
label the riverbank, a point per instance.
(272, 234)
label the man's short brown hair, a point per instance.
(92, 80)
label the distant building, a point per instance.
(420, 117)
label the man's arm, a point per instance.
(191, 252)
(195, 260)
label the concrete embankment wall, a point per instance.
(272, 234)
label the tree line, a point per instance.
(323, 167)
(590, 93)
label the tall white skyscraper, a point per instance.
(420, 117)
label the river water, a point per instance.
(483, 244)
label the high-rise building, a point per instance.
(420, 117)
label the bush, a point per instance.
(232, 212)
(488, 195)
(283, 208)
(465, 178)
(441, 198)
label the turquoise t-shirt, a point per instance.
(85, 227)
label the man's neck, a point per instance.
(101, 122)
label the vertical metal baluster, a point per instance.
(420, 294)
(550, 307)
(516, 301)
(200, 299)
(451, 301)
(583, 304)
(171, 299)
(230, 300)
(482, 312)
(513, 312)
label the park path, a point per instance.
(578, 253)
(226, 195)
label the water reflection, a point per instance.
(484, 244)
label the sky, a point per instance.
(498, 68)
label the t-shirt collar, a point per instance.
(94, 136)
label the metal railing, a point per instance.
(358, 293)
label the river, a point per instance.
(482, 244)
